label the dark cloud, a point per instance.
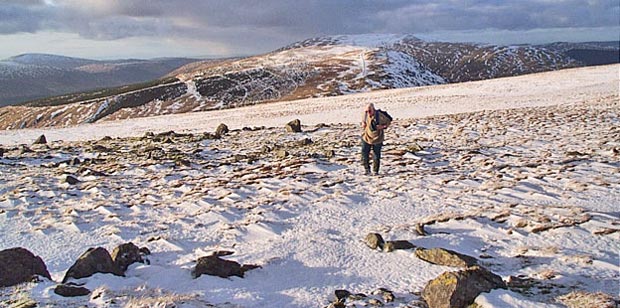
(268, 23)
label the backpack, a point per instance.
(387, 115)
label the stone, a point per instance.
(1, 152)
(70, 290)
(40, 140)
(282, 154)
(23, 302)
(460, 289)
(387, 295)
(18, 265)
(445, 257)
(215, 266)
(94, 260)
(125, 255)
(221, 130)
(329, 153)
(341, 295)
(390, 246)
(293, 126)
(374, 240)
(71, 179)
(305, 141)
(578, 299)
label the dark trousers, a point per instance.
(376, 157)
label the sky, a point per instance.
(112, 29)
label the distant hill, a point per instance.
(31, 76)
(318, 67)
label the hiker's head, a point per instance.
(370, 108)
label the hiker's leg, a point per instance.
(376, 160)
(365, 156)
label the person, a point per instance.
(374, 124)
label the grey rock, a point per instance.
(445, 257)
(215, 266)
(221, 130)
(305, 141)
(125, 255)
(341, 295)
(282, 154)
(374, 240)
(293, 126)
(71, 179)
(94, 260)
(68, 290)
(460, 289)
(1, 152)
(18, 265)
(40, 140)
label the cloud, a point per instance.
(259, 25)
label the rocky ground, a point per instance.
(529, 192)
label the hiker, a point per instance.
(374, 123)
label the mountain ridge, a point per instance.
(316, 67)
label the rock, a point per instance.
(1, 152)
(282, 154)
(71, 179)
(445, 257)
(460, 289)
(390, 246)
(40, 140)
(414, 147)
(74, 161)
(341, 295)
(70, 290)
(293, 126)
(374, 240)
(125, 255)
(23, 302)
(94, 260)
(329, 153)
(215, 266)
(578, 299)
(305, 141)
(18, 265)
(24, 149)
(221, 130)
(388, 296)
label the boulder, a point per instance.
(221, 130)
(40, 140)
(125, 255)
(94, 260)
(1, 152)
(69, 290)
(374, 240)
(215, 266)
(293, 126)
(18, 265)
(460, 289)
(445, 257)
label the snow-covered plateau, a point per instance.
(521, 173)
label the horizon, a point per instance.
(140, 29)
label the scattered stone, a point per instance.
(375, 302)
(460, 289)
(374, 241)
(71, 290)
(215, 266)
(293, 126)
(329, 153)
(125, 255)
(282, 154)
(221, 130)
(578, 299)
(388, 296)
(71, 179)
(18, 265)
(74, 161)
(341, 295)
(445, 257)
(390, 246)
(40, 140)
(304, 142)
(414, 147)
(94, 260)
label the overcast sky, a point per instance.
(106, 29)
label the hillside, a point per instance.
(31, 76)
(519, 173)
(320, 67)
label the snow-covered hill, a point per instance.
(31, 76)
(520, 173)
(318, 67)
